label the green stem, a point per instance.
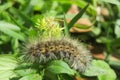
(107, 58)
(58, 77)
(108, 46)
(66, 27)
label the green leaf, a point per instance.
(80, 26)
(26, 19)
(9, 26)
(94, 69)
(7, 64)
(103, 40)
(4, 39)
(115, 64)
(91, 9)
(10, 29)
(74, 20)
(24, 72)
(58, 67)
(101, 69)
(115, 45)
(31, 77)
(5, 6)
(6, 74)
(116, 2)
(110, 74)
(96, 31)
(80, 3)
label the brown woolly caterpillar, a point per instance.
(68, 50)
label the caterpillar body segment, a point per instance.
(68, 50)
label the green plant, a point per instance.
(20, 20)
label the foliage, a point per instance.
(20, 20)
(7, 65)
(101, 69)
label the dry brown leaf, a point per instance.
(105, 12)
(82, 21)
(101, 56)
(73, 10)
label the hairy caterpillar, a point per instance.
(72, 52)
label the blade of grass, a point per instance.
(74, 20)
(66, 27)
(17, 23)
(22, 15)
(5, 6)
(26, 18)
(115, 64)
(11, 30)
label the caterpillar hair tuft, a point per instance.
(68, 50)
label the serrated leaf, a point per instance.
(31, 77)
(6, 74)
(58, 67)
(7, 64)
(7, 60)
